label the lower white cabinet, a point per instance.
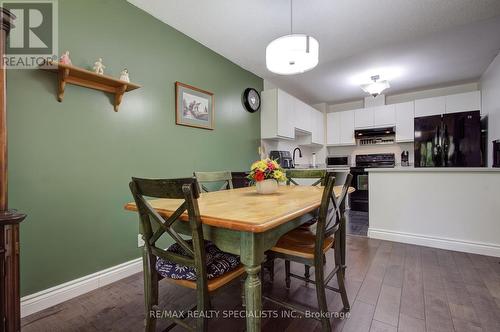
(340, 128)
(405, 114)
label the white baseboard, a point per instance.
(33, 303)
(488, 249)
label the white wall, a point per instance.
(490, 99)
(451, 210)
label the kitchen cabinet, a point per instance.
(302, 115)
(340, 128)
(405, 114)
(463, 102)
(363, 118)
(277, 119)
(318, 127)
(430, 106)
(381, 116)
(384, 116)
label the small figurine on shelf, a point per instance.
(124, 75)
(64, 59)
(99, 67)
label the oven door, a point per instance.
(359, 198)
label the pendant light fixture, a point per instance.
(376, 87)
(293, 53)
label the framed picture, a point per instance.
(193, 107)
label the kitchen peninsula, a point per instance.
(448, 208)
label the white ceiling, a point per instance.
(420, 43)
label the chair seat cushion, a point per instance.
(300, 242)
(218, 262)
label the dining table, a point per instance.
(245, 223)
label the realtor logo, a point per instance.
(33, 40)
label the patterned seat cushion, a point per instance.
(218, 263)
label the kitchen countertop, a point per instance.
(433, 169)
(303, 167)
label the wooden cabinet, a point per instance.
(340, 128)
(430, 106)
(363, 117)
(384, 116)
(277, 119)
(463, 102)
(318, 127)
(405, 114)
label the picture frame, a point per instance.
(194, 107)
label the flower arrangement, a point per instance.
(266, 169)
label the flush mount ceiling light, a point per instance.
(293, 53)
(376, 87)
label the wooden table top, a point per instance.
(245, 210)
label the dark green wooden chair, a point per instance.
(292, 175)
(214, 178)
(309, 247)
(155, 226)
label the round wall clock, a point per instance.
(251, 100)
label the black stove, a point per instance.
(359, 199)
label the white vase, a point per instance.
(267, 187)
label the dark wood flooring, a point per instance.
(357, 223)
(391, 286)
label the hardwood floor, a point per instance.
(357, 222)
(391, 287)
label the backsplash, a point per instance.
(396, 148)
(285, 145)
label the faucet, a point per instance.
(300, 155)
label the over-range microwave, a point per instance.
(338, 161)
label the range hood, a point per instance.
(382, 135)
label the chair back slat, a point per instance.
(292, 174)
(154, 226)
(331, 211)
(212, 178)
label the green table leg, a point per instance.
(252, 255)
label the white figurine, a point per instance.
(124, 75)
(99, 67)
(64, 59)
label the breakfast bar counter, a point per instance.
(449, 208)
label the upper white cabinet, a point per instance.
(282, 114)
(333, 128)
(347, 128)
(340, 128)
(277, 119)
(363, 117)
(405, 121)
(302, 116)
(384, 116)
(374, 117)
(430, 106)
(318, 127)
(462, 102)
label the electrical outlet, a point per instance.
(140, 241)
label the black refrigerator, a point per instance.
(449, 140)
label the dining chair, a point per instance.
(185, 262)
(213, 179)
(309, 247)
(240, 179)
(293, 175)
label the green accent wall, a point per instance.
(70, 163)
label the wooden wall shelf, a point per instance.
(68, 74)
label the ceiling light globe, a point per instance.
(292, 54)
